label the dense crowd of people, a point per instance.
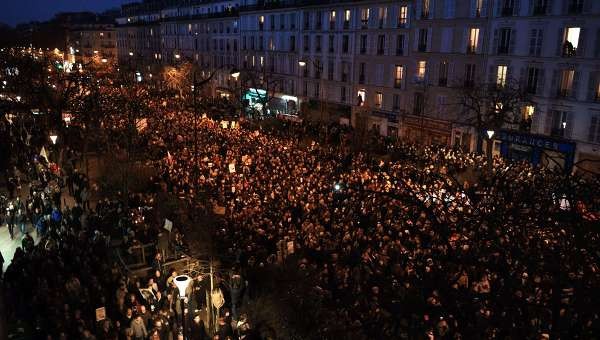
(56, 283)
(400, 248)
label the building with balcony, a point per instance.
(395, 65)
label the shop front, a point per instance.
(279, 104)
(426, 130)
(536, 149)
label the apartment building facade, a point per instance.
(94, 42)
(396, 66)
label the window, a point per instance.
(317, 92)
(306, 24)
(378, 99)
(318, 68)
(504, 45)
(421, 70)
(382, 16)
(576, 6)
(478, 8)
(343, 94)
(282, 21)
(423, 39)
(571, 41)
(361, 73)
(400, 44)
(398, 76)
(261, 22)
(443, 76)
(318, 43)
(271, 44)
(381, 44)
(396, 102)
(330, 69)
(473, 40)
(419, 103)
(535, 42)
(332, 20)
(319, 22)
(469, 75)
(306, 43)
(292, 21)
(292, 43)
(533, 79)
(363, 44)
(442, 104)
(507, 8)
(540, 7)
(364, 17)
(347, 17)
(594, 133)
(361, 96)
(305, 89)
(402, 16)
(566, 83)
(331, 43)
(345, 43)
(559, 123)
(501, 75)
(345, 68)
(425, 9)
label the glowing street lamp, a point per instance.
(53, 138)
(182, 282)
(131, 54)
(104, 60)
(302, 63)
(177, 56)
(337, 186)
(490, 133)
(235, 73)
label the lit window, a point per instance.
(566, 83)
(501, 75)
(347, 16)
(571, 41)
(473, 40)
(478, 7)
(361, 97)
(421, 69)
(425, 10)
(398, 76)
(364, 16)
(528, 111)
(261, 19)
(262, 61)
(378, 99)
(101, 34)
(332, 17)
(403, 16)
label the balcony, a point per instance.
(471, 49)
(425, 15)
(364, 24)
(332, 25)
(381, 23)
(401, 24)
(539, 10)
(398, 83)
(563, 93)
(503, 49)
(568, 50)
(361, 79)
(507, 11)
(346, 25)
(363, 50)
(422, 48)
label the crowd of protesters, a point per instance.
(399, 248)
(54, 287)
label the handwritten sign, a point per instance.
(100, 314)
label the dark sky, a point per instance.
(13, 12)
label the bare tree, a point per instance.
(491, 107)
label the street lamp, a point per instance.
(177, 56)
(337, 187)
(235, 73)
(182, 282)
(490, 133)
(131, 54)
(53, 138)
(104, 60)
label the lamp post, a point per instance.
(490, 148)
(182, 282)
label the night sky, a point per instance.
(14, 12)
